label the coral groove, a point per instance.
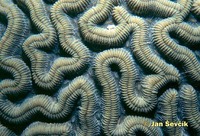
(190, 106)
(98, 35)
(50, 78)
(168, 112)
(172, 49)
(143, 99)
(99, 67)
(59, 109)
(162, 8)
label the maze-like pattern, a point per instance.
(99, 67)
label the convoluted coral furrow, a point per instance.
(102, 41)
(20, 73)
(16, 29)
(188, 33)
(44, 77)
(143, 99)
(168, 103)
(185, 10)
(190, 107)
(59, 109)
(140, 47)
(5, 131)
(10, 43)
(69, 42)
(45, 39)
(162, 8)
(102, 36)
(39, 128)
(132, 124)
(173, 50)
(72, 6)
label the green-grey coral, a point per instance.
(99, 67)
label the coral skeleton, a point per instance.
(99, 67)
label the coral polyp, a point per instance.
(99, 67)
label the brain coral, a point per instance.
(99, 67)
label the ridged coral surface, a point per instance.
(99, 67)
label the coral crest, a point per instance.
(99, 67)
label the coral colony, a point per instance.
(99, 67)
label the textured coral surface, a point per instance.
(99, 67)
